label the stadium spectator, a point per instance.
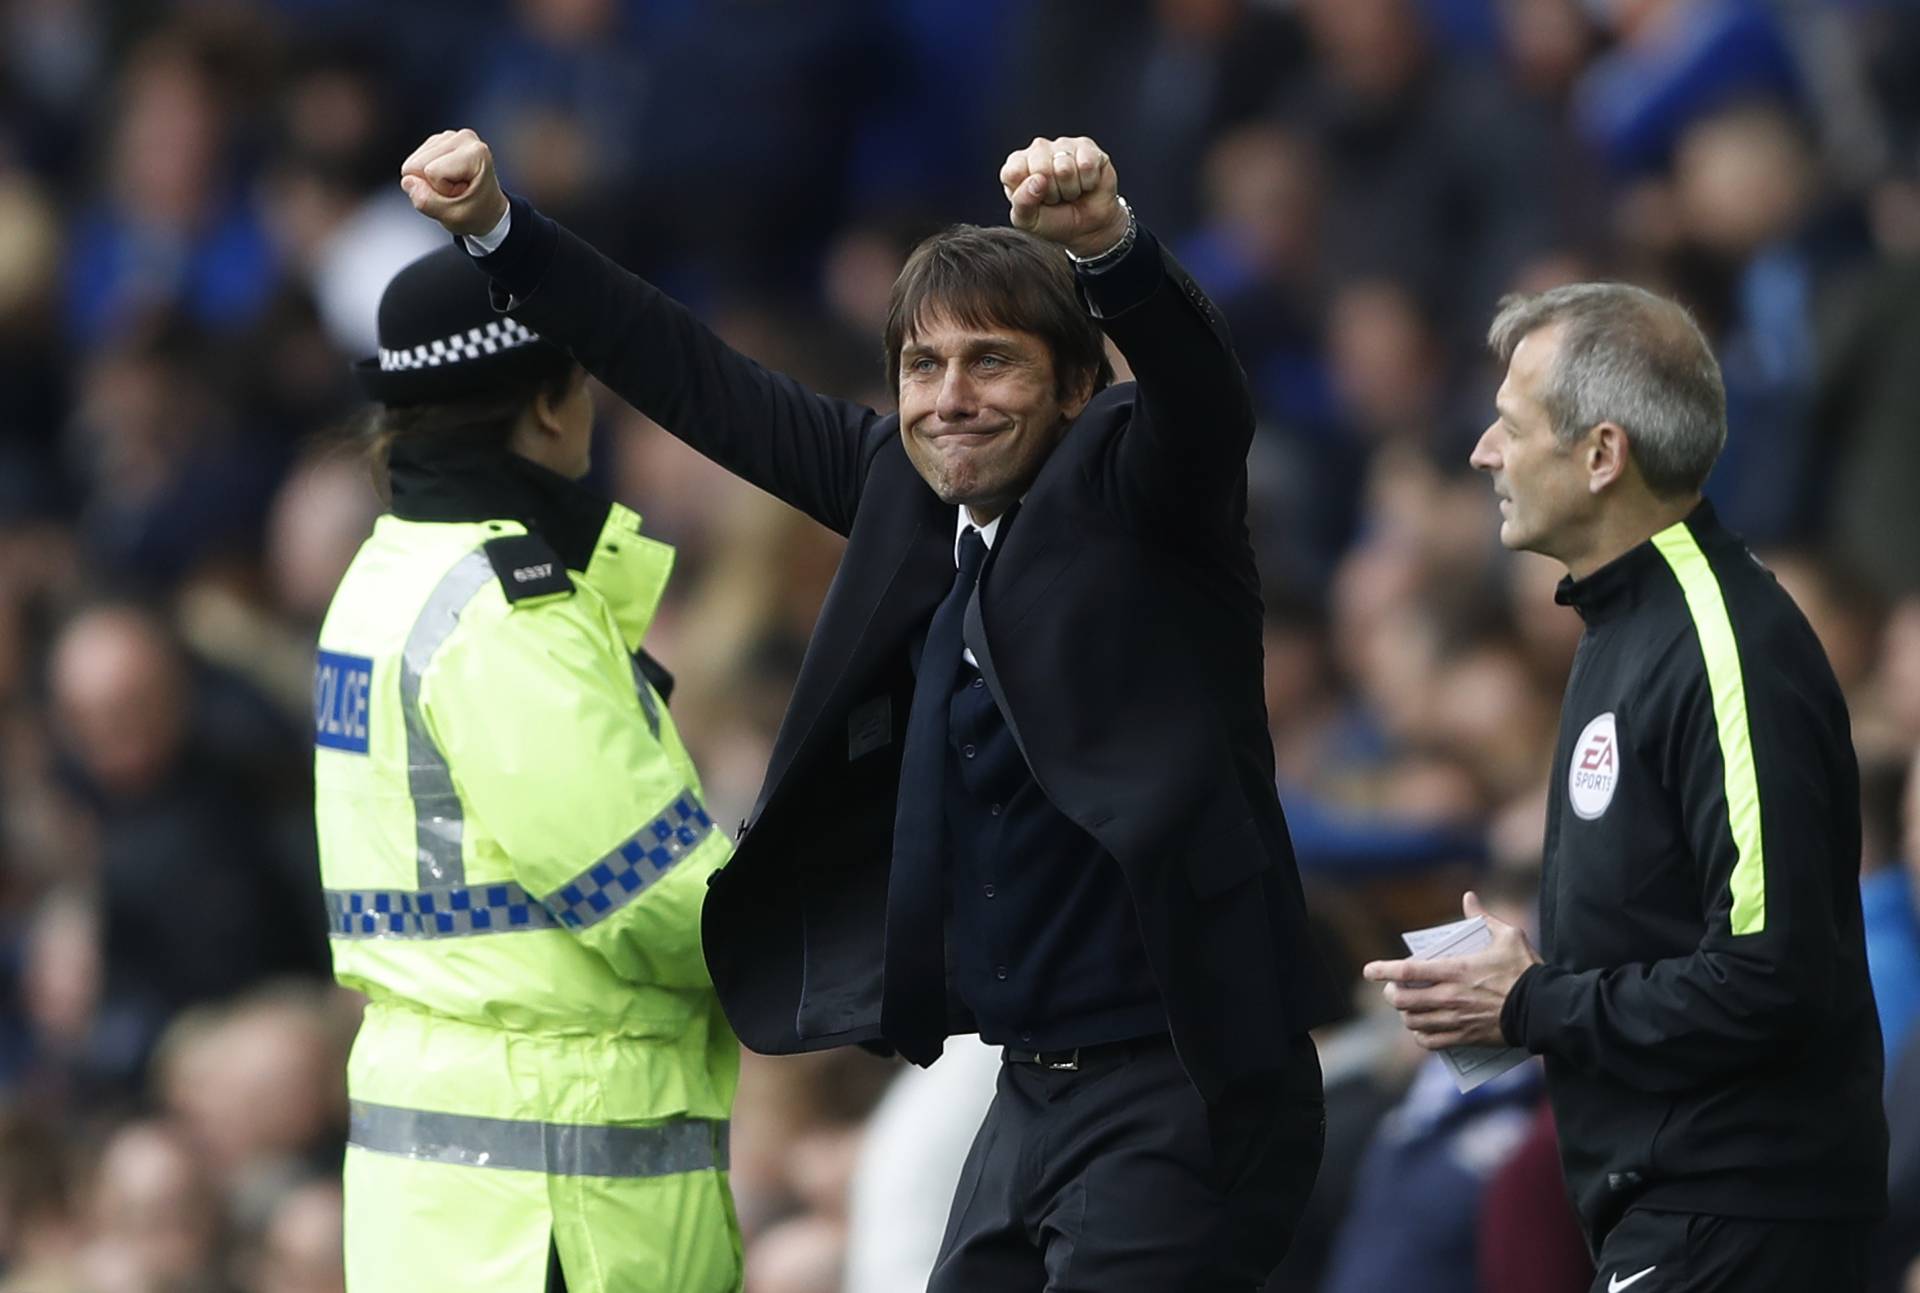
(258, 1084)
(1430, 166)
(40, 1224)
(171, 228)
(1763, 250)
(1412, 1219)
(1890, 802)
(155, 1217)
(300, 1250)
(1530, 1241)
(158, 756)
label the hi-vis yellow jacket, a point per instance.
(515, 848)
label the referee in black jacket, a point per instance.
(1712, 1051)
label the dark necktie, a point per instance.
(913, 1000)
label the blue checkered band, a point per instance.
(455, 911)
(450, 911)
(626, 872)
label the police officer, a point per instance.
(1712, 1050)
(513, 844)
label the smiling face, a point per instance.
(1546, 503)
(980, 410)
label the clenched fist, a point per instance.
(1064, 190)
(451, 178)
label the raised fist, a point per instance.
(451, 178)
(1064, 190)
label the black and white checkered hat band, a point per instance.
(495, 338)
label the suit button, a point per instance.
(1026, 1036)
(999, 971)
(995, 810)
(967, 750)
(986, 889)
(978, 682)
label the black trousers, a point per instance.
(1118, 1177)
(1686, 1252)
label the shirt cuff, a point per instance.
(1118, 287)
(485, 244)
(519, 264)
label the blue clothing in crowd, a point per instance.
(1414, 1219)
(1636, 102)
(1893, 952)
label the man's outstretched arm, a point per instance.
(801, 447)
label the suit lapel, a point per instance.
(1029, 553)
(973, 632)
(885, 589)
(898, 566)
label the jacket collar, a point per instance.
(594, 536)
(630, 570)
(1619, 586)
(462, 482)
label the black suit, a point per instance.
(1119, 629)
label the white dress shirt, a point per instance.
(987, 533)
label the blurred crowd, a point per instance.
(197, 215)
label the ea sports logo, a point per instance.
(1596, 768)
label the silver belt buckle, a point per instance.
(1071, 1064)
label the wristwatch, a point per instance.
(1113, 255)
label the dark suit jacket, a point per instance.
(1119, 629)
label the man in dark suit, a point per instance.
(1024, 785)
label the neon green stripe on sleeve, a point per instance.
(1709, 610)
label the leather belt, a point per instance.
(1069, 1061)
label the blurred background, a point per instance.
(198, 213)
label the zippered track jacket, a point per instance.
(1709, 1031)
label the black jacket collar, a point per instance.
(461, 482)
(1617, 586)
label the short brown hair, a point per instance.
(997, 278)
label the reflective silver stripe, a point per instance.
(438, 820)
(641, 858)
(558, 1149)
(447, 911)
(645, 691)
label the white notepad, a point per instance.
(1470, 1065)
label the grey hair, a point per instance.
(1631, 358)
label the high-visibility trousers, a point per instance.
(446, 1201)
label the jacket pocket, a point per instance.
(1224, 857)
